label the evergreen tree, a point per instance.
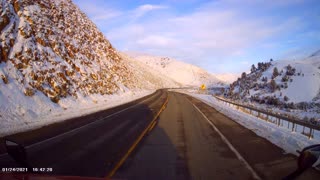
(264, 79)
(275, 72)
(273, 85)
(253, 68)
(243, 75)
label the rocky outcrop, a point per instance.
(52, 47)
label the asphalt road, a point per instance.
(191, 140)
(88, 146)
(184, 145)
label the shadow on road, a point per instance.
(155, 158)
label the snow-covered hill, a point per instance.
(298, 80)
(180, 72)
(53, 48)
(55, 63)
(288, 84)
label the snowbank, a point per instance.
(20, 113)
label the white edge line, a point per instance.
(81, 127)
(255, 175)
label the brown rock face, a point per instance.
(29, 92)
(1, 58)
(55, 99)
(3, 54)
(52, 47)
(41, 41)
(16, 6)
(4, 79)
(4, 21)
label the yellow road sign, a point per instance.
(203, 87)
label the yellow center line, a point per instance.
(152, 126)
(133, 146)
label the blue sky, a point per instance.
(221, 36)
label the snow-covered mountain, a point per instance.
(179, 72)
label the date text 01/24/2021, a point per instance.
(26, 170)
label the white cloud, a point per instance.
(156, 41)
(214, 33)
(206, 35)
(150, 7)
(99, 12)
(244, 62)
(106, 16)
(144, 9)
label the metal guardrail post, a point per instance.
(288, 124)
(311, 133)
(292, 127)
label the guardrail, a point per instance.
(280, 120)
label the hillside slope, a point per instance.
(43, 51)
(291, 85)
(55, 64)
(180, 72)
(299, 80)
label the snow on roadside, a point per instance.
(20, 113)
(280, 136)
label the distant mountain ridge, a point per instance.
(179, 72)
